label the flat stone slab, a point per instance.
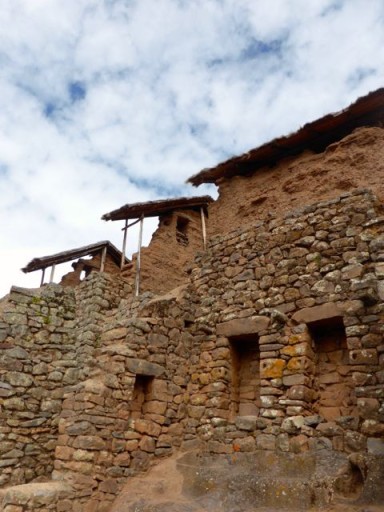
(142, 367)
(243, 326)
(316, 313)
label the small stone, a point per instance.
(248, 423)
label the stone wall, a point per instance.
(274, 343)
(47, 346)
(36, 361)
(131, 409)
(289, 286)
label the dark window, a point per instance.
(141, 391)
(182, 230)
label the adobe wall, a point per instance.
(164, 261)
(354, 162)
(75, 276)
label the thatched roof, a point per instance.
(156, 208)
(316, 136)
(74, 254)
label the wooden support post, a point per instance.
(52, 273)
(42, 277)
(103, 256)
(138, 260)
(203, 228)
(124, 245)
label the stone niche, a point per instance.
(332, 371)
(243, 339)
(141, 395)
(245, 357)
(333, 382)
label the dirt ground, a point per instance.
(171, 486)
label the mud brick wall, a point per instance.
(172, 248)
(354, 162)
(307, 292)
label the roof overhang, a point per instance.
(157, 208)
(73, 254)
(315, 136)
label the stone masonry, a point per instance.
(96, 386)
(269, 352)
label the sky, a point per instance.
(108, 102)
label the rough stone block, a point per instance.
(364, 356)
(89, 443)
(248, 423)
(238, 327)
(375, 446)
(272, 368)
(266, 442)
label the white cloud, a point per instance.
(110, 102)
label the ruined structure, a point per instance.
(99, 257)
(258, 381)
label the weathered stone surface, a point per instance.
(19, 379)
(292, 424)
(375, 446)
(89, 443)
(248, 423)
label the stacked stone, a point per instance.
(105, 436)
(328, 255)
(128, 380)
(36, 362)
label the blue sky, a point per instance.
(107, 102)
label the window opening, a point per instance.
(141, 392)
(182, 230)
(333, 380)
(245, 352)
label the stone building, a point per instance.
(257, 382)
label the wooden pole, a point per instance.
(124, 245)
(42, 277)
(52, 273)
(138, 260)
(103, 256)
(203, 228)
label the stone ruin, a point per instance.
(257, 382)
